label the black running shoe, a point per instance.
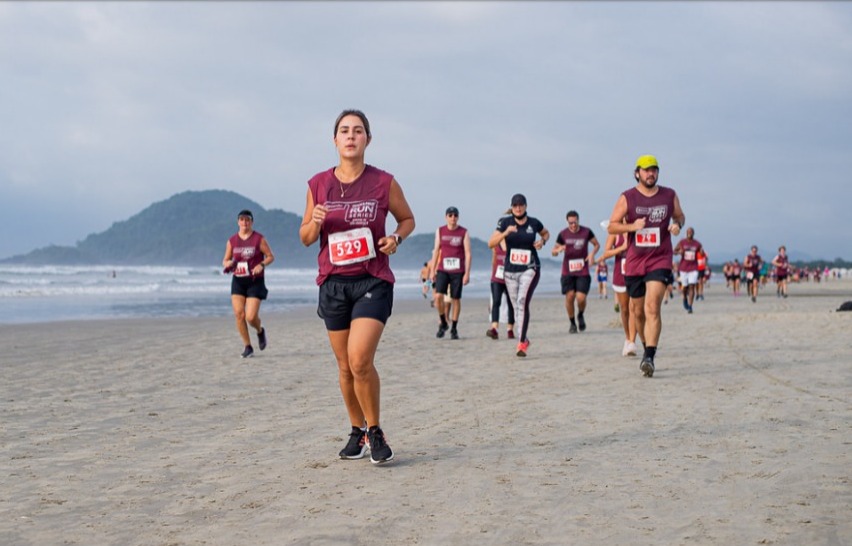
(380, 451)
(261, 339)
(357, 446)
(441, 331)
(247, 352)
(572, 329)
(454, 334)
(647, 366)
(581, 322)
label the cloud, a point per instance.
(107, 107)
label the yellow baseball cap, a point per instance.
(646, 162)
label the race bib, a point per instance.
(242, 270)
(622, 266)
(689, 255)
(648, 237)
(350, 247)
(576, 265)
(519, 256)
(452, 264)
(749, 275)
(498, 273)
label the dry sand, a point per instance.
(154, 432)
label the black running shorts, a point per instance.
(572, 283)
(451, 280)
(636, 284)
(249, 287)
(343, 299)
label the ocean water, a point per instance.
(31, 294)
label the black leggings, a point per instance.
(497, 291)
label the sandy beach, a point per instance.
(155, 432)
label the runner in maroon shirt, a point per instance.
(616, 246)
(649, 214)
(345, 210)
(576, 280)
(782, 271)
(688, 250)
(498, 290)
(736, 273)
(247, 254)
(752, 264)
(450, 266)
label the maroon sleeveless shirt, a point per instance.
(618, 268)
(452, 246)
(689, 257)
(247, 250)
(364, 205)
(651, 248)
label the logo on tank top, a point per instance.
(453, 240)
(655, 214)
(359, 213)
(245, 251)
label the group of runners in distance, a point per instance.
(346, 208)
(754, 273)
(639, 235)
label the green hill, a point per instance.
(191, 228)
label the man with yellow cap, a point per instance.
(649, 215)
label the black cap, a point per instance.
(245, 212)
(452, 210)
(519, 199)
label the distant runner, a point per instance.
(450, 268)
(576, 280)
(522, 268)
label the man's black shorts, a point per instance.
(452, 280)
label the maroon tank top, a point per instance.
(355, 222)
(689, 255)
(452, 249)
(499, 262)
(783, 265)
(246, 251)
(618, 268)
(650, 248)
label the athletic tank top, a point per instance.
(499, 265)
(689, 255)
(353, 225)
(783, 265)
(618, 268)
(452, 249)
(755, 262)
(246, 252)
(651, 247)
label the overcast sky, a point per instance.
(106, 108)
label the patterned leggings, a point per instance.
(521, 287)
